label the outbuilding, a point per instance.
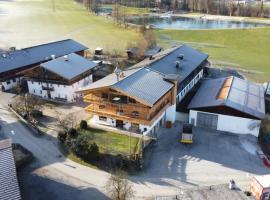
(260, 187)
(228, 104)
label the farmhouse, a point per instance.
(228, 104)
(59, 78)
(145, 97)
(9, 187)
(138, 100)
(14, 61)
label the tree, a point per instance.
(66, 122)
(118, 187)
(26, 104)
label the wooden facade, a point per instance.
(103, 103)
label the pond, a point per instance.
(173, 22)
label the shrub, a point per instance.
(83, 124)
(79, 146)
(72, 133)
(36, 113)
(93, 152)
(62, 136)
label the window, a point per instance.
(102, 118)
(40, 91)
(101, 106)
(8, 82)
(34, 91)
(32, 82)
(39, 83)
(104, 96)
(130, 100)
(135, 113)
(14, 80)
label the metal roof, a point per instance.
(69, 66)
(9, 188)
(142, 83)
(146, 85)
(165, 61)
(34, 55)
(242, 95)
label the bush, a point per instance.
(36, 113)
(93, 152)
(79, 146)
(83, 124)
(72, 133)
(62, 136)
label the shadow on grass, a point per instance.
(105, 162)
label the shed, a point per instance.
(228, 104)
(260, 187)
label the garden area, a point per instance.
(101, 149)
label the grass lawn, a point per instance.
(29, 22)
(239, 48)
(110, 142)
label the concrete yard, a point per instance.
(213, 159)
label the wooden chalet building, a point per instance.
(138, 100)
(59, 78)
(15, 61)
(120, 103)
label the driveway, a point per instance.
(214, 158)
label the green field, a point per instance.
(30, 22)
(110, 142)
(244, 49)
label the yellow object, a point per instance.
(187, 141)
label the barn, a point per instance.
(228, 104)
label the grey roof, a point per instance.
(243, 96)
(165, 62)
(143, 84)
(34, 55)
(69, 66)
(9, 188)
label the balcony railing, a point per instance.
(126, 114)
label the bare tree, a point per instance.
(118, 187)
(65, 122)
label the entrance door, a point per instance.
(49, 94)
(119, 123)
(207, 120)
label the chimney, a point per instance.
(117, 72)
(65, 57)
(181, 56)
(177, 64)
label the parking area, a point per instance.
(214, 158)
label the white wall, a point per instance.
(10, 83)
(238, 125)
(112, 122)
(170, 113)
(189, 86)
(60, 91)
(182, 117)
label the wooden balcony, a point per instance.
(126, 113)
